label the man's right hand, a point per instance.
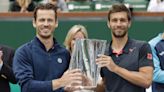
(73, 77)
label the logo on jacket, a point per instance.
(59, 60)
(132, 49)
(149, 56)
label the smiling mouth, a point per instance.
(45, 28)
(118, 30)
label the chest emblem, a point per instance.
(149, 56)
(59, 60)
(132, 49)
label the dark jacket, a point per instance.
(6, 73)
(35, 67)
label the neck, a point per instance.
(119, 43)
(48, 42)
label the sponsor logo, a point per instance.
(59, 60)
(132, 49)
(149, 56)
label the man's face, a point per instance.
(119, 24)
(45, 23)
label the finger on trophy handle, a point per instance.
(88, 87)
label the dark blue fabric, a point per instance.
(35, 68)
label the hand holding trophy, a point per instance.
(83, 57)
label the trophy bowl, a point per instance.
(84, 57)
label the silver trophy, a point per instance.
(84, 57)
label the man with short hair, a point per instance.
(128, 65)
(40, 64)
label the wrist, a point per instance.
(56, 84)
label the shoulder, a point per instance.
(24, 48)
(24, 52)
(153, 42)
(139, 43)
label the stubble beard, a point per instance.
(119, 35)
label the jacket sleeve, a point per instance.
(158, 72)
(6, 70)
(23, 70)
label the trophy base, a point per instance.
(87, 87)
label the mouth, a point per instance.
(119, 30)
(45, 29)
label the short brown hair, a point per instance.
(119, 7)
(46, 6)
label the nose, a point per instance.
(118, 23)
(46, 23)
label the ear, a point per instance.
(108, 24)
(34, 22)
(56, 24)
(129, 24)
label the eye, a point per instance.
(114, 20)
(50, 20)
(123, 20)
(41, 20)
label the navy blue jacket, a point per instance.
(35, 68)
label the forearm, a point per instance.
(139, 78)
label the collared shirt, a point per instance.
(35, 67)
(157, 46)
(135, 54)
